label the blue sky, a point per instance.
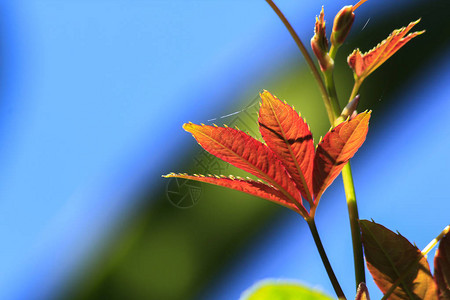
(91, 90)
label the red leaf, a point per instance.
(287, 163)
(246, 153)
(442, 268)
(289, 137)
(335, 150)
(364, 64)
(396, 264)
(255, 188)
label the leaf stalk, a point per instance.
(355, 89)
(329, 96)
(337, 288)
(347, 177)
(331, 90)
(307, 57)
(436, 240)
(349, 186)
(352, 206)
(358, 257)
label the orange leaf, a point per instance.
(442, 267)
(252, 187)
(288, 163)
(364, 64)
(246, 153)
(289, 137)
(335, 150)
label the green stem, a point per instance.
(350, 194)
(347, 177)
(355, 89)
(331, 89)
(333, 51)
(358, 258)
(307, 57)
(330, 100)
(337, 288)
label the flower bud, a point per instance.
(342, 24)
(319, 43)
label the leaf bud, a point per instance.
(342, 24)
(319, 43)
(348, 111)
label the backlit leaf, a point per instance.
(392, 259)
(335, 150)
(241, 150)
(255, 188)
(288, 163)
(364, 64)
(289, 137)
(442, 268)
(278, 290)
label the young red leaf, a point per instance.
(289, 137)
(246, 153)
(364, 64)
(336, 149)
(395, 263)
(255, 188)
(442, 268)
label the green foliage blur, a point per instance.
(284, 291)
